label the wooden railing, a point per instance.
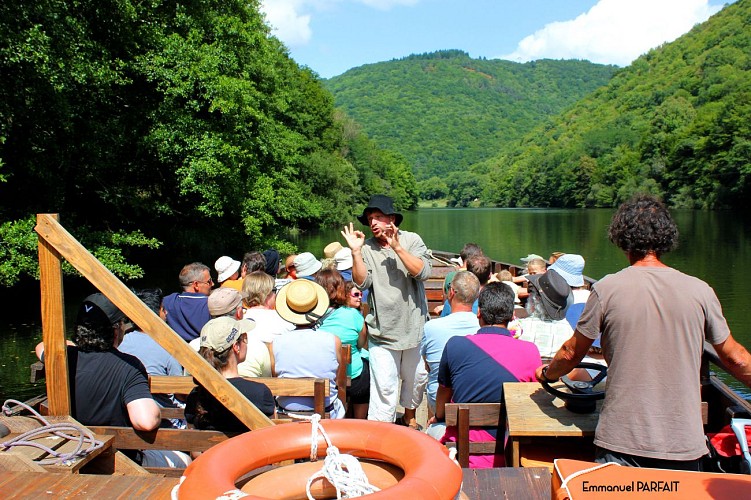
(55, 244)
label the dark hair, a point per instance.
(95, 333)
(254, 261)
(643, 225)
(496, 303)
(331, 280)
(218, 360)
(152, 297)
(468, 250)
(479, 265)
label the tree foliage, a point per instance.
(445, 111)
(676, 123)
(139, 121)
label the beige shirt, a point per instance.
(398, 307)
(653, 321)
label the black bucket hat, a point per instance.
(384, 204)
(555, 293)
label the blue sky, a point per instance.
(332, 36)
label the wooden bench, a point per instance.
(317, 388)
(466, 415)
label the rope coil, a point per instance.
(342, 470)
(60, 430)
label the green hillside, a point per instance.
(677, 123)
(444, 111)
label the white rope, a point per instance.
(576, 474)
(342, 470)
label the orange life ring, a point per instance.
(428, 471)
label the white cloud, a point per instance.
(290, 19)
(614, 31)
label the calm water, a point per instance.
(714, 246)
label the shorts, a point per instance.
(359, 390)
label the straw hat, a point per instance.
(302, 302)
(331, 249)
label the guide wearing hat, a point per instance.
(305, 352)
(392, 265)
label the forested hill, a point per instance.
(445, 111)
(677, 123)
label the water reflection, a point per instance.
(714, 246)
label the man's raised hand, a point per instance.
(355, 239)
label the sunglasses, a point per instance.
(356, 295)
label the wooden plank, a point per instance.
(16, 461)
(53, 325)
(36, 485)
(532, 411)
(58, 238)
(162, 384)
(505, 482)
(482, 414)
(126, 438)
(70, 446)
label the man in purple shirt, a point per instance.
(474, 368)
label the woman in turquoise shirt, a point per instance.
(349, 325)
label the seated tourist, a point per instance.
(546, 326)
(463, 293)
(473, 368)
(466, 252)
(224, 346)
(349, 325)
(571, 267)
(479, 265)
(154, 357)
(228, 302)
(188, 311)
(228, 272)
(260, 306)
(306, 266)
(305, 352)
(109, 387)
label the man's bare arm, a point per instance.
(144, 414)
(568, 356)
(736, 359)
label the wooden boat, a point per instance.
(56, 244)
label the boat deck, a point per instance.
(39, 484)
(531, 483)
(479, 484)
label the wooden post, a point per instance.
(99, 276)
(53, 326)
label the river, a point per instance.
(713, 246)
